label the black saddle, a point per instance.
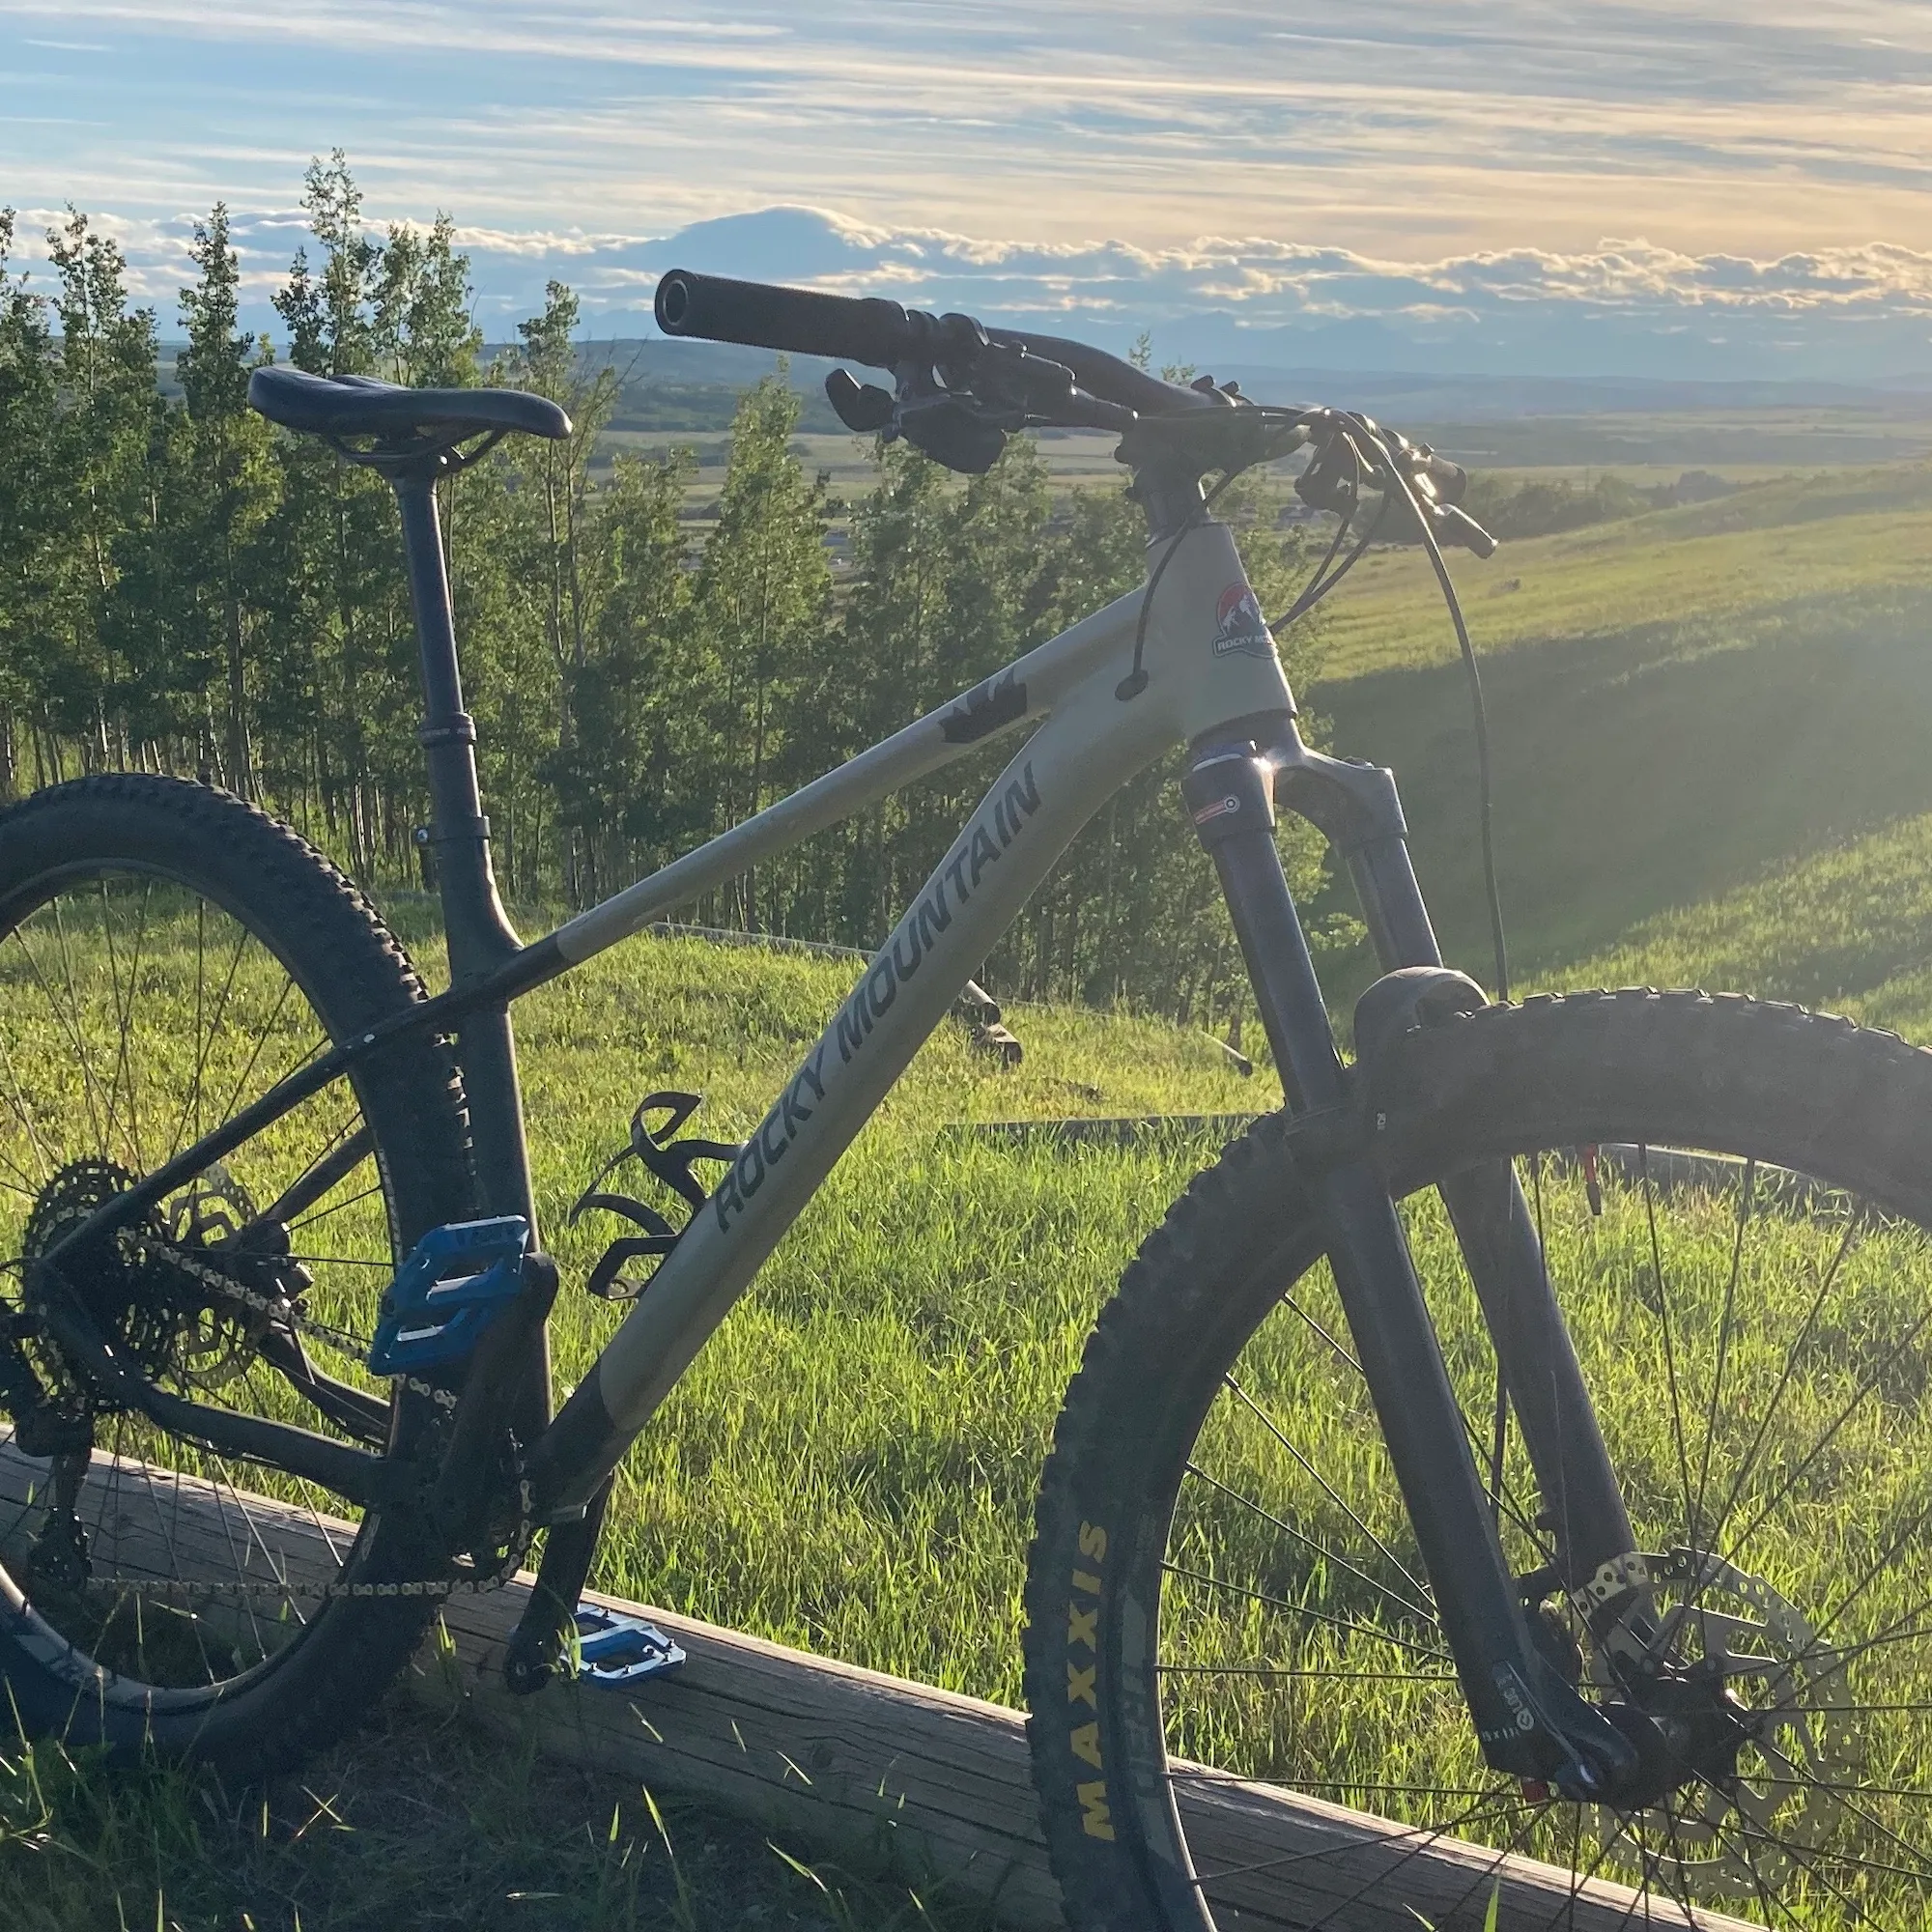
(338, 407)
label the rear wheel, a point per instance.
(1224, 1592)
(167, 953)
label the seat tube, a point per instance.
(1228, 795)
(477, 929)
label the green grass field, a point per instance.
(1710, 729)
(1682, 706)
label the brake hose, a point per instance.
(1479, 711)
(1136, 680)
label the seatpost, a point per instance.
(480, 935)
(476, 926)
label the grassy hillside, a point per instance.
(1681, 705)
(1748, 553)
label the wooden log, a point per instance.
(840, 1759)
(1101, 1130)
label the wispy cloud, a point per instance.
(1453, 168)
(1469, 124)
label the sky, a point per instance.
(1671, 187)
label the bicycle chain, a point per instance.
(281, 1309)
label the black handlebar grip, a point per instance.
(1451, 479)
(797, 322)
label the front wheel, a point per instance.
(1734, 1201)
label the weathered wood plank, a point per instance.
(840, 1758)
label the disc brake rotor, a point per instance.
(1740, 1829)
(210, 1344)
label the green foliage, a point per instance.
(32, 491)
(183, 589)
(1509, 509)
(1512, 508)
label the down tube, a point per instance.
(1054, 784)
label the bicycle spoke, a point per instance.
(67, 1021)
(323, 1214)
(1533, 1816)
(124, 1017)
(1824, 1442)
(205, 1041)
(1669, 1347)
(24, 1115)
(1742, 1476)
(1723, 1342)
(1416, 1850)
(1200, 1773)
(1303, 1611)
(1288, 1671)
(262, 1038)
(1320, 1550)
(1796, 1854)
(1328, 1490)
(1375, 1839)
(193, 1100)
(342, 1153)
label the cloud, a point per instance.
(1766, 126)
(1380, 186)
(1855, 314)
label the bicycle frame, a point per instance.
(1214, 683)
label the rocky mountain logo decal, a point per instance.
(1240, 625)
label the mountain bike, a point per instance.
(1522, 1438)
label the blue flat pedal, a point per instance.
(613, 1649)
(452, 1285)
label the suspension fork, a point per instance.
(1529, 1722)
(1356, 806)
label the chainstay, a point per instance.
(281, 1309)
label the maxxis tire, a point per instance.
(354, 973)
(1814, 1093)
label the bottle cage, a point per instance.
(670, 1161)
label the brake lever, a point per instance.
(1335, 479)
(992, 391)
(945, 426)
(863, 407)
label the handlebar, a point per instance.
(999, 380)
(881, 334)
(796, 322)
